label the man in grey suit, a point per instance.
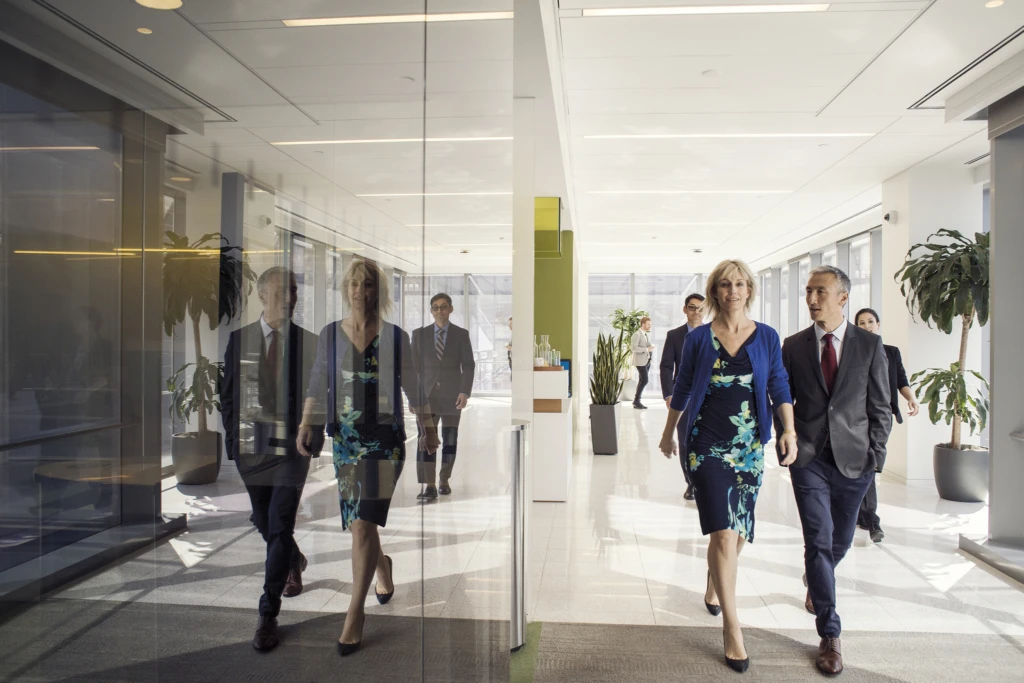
(671, 356)
(444, 357)
(839, 378)
(266, 373)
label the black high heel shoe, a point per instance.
(346, 649)
(714, 609)
(383, 598)
(738, 665)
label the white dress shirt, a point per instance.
(838, 335)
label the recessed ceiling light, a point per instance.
(698, 251)
(991, 4)
(294, 143)
(397, 19)
(708, 9)
(105, 199)
(624, 225)
(713, 136)
(459, 225)
(160, 4)
(757, 192)
(145, 31)
(464, 251)
(710, 73)
(180, 179)
(437, 194)
(51, 148)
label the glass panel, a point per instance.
(607, 293)
(60, 335)
(828, 258)
(804, 320)
(860, 275)
(784, 330)
(769, 296)
(662, 296)
(490, 310)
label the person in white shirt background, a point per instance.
(642, 354)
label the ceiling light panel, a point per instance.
(723, 136)
(705, 9)
(669, 192)
(398, 19)
(386, 141)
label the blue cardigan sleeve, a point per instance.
(684, 380)
(778, 378)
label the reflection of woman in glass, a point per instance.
(363, 364)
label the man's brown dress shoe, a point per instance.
(266, 634)
(830, 657)
(808, 605)
(293, 585)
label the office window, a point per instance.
(304, 266)
(490, 306)
(860, 274)
(784, 302)
(607, 292)
(662, 296)
(804, 318)
(829, 257)
(766, 297)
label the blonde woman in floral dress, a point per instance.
(730, 377)
(363, 365)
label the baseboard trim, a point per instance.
(1004, 558)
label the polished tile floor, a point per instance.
(626, 549)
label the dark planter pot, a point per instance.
(196, 457)
(604, 429)
(961, 475)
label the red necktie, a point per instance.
(829, 365)
(274, 355)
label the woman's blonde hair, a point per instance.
(727, 269)
(367, 268)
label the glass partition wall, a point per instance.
(240, 195)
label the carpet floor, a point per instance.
(93, 641)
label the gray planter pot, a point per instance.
(604, 429)
(961, 475)
(196, 457)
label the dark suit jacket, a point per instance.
(856, 418)
(245, 361)
(670, 357)
(897, 380)
(443, 381)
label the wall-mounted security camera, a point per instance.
(890, 217)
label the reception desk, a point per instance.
(551, 463)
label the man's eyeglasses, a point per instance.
(438, 309)
(693, 309)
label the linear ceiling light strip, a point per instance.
(706, 9)
(397, 19)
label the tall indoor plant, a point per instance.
(627, 324)
(204, 277)
(605, 386)
(942, 282)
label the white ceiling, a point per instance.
(856, 68)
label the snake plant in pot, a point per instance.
(943, 282)
(605, 386)
(204, 277)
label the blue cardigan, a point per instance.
(699, 355)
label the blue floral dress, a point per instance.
(369, 448)
(726, 458)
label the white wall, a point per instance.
(926, 199)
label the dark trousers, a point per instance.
(828, 503)
(684, 458)
(275, 496)
(869, 508)
(644, 373)
(426, 463)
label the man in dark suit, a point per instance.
(671, 355)
(266, 372)
(444, 355)
(839, 378)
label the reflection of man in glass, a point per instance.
(91, 374)
(266, 373)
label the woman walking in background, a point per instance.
(729, 370)
(362, 366)
(867, 319)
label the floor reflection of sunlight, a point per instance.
(191, 553)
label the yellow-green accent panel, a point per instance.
(546, 226)
(553, 292)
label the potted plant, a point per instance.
(605, 386)
(627, 324)
(200, 278)
(944, 282)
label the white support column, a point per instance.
(925, 199)
(523, 188)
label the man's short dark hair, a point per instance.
(438, 297)
(698, 297)
(266, 275)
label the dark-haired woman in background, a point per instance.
(868, 319)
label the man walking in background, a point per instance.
(642, 352)
(839, 377)
(266, 373)
(693, 307)
(444, 356)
